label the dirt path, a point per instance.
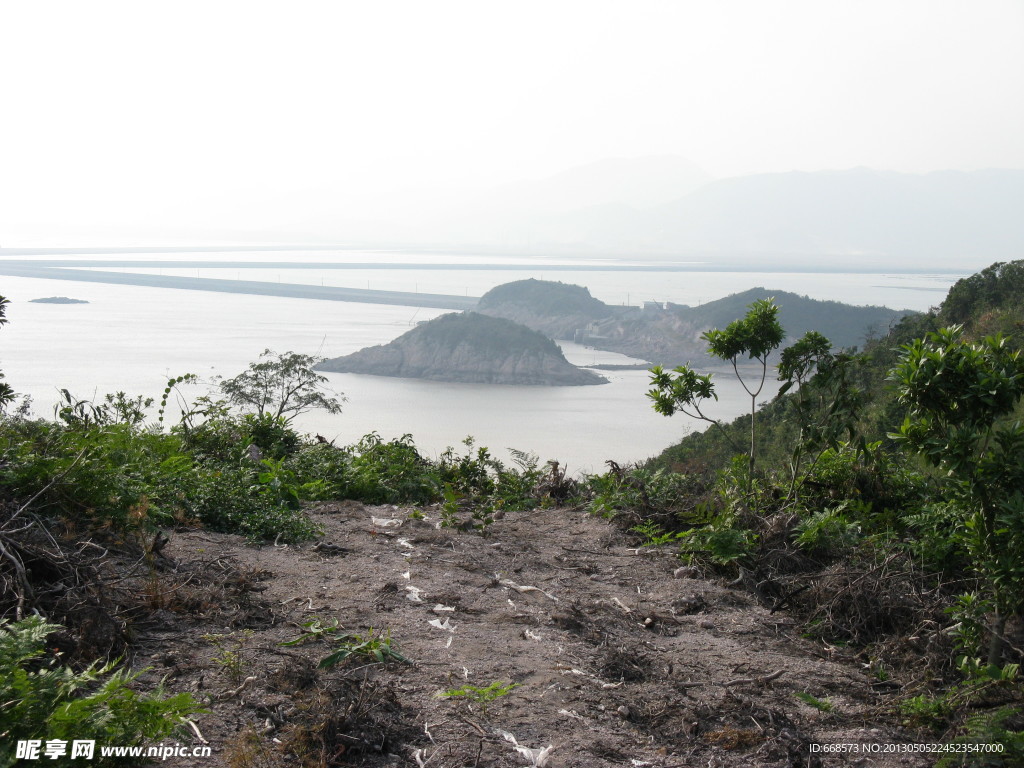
(618, 659)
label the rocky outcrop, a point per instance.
(470, 348)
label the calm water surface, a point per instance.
(134, 338)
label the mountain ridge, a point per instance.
(670, 334)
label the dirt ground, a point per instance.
(618, 656)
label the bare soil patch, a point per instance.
(614, 660)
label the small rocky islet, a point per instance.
(471, 348)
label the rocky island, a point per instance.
(57, 300)
(468, 347)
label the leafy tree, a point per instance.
(283, 385)
(827, 401)
(994, 287)
(756, 335)
(6, 393)
(960, 397)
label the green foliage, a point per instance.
(478, 481)
(271, 434)
(389, 472)
(172, 384)
(968, 612)
(41, 698)
(827, 402)
(938, 537)
(376, 646)
(282, 385)
(652, 534)
(828, 531)
(982, 683)
(247, 474)
(925, 710)
(118, 408)
(756, 335)
(674, 498)
(956, 392)
(116, 474)
(231, 656)
(123, 475)
(450, 507)
(993, 288)
(997, 738)
(822, 705)
(233, 501)
(958, 397)
(482, 696)
(683, 392)
(720, 543)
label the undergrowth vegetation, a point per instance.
(44, 698)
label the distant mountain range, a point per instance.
(667, 207)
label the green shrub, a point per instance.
(674, 498)
(719, 543)
(937, 537)
(113, 475)
(390, 472)
(331, 467)
(42, 699)
(828, 532)
(233, 501)
(226, 437)
(962, 400)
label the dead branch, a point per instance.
(755, 680)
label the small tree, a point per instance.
(960, 397)
(756, 335)
(281, 385)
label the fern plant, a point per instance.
(42, 698)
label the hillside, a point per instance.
(989, 302)
(670, 335)
(471, 348)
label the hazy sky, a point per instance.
(222, 114)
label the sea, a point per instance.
(132, 339)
